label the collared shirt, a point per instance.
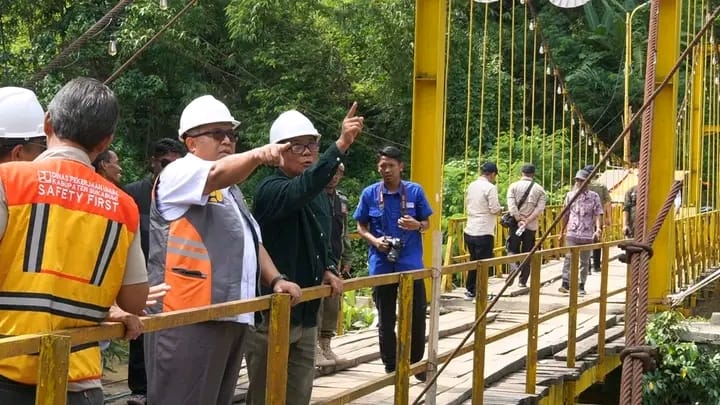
(581, 220)
(339, 240)
(181, 186)
(482, 207)
(141, 192)
(294, 217)
(383, 221)
(533, 205)
(601, 191)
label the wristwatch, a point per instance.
(276, 279)
(422, 228)
(332, 269)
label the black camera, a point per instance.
(396, 246)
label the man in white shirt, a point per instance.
(206, 245)
(482, 207)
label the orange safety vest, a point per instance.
(200, 255)
(63, 257)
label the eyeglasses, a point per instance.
(217, 134)
(299, 148)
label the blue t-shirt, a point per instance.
(383, 222)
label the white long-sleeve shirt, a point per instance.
(482, 207)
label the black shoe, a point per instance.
(389, 370)
(522, 285)
(469, 295)
(622, 258)
(422, 377)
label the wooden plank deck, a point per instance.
(505, 359)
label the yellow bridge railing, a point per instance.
(456, 251)
(54, 348)
(697, 247)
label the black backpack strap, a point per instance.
(526, 194)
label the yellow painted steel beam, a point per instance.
(278, 349)
(663, 146)
(53, 370)
(533, 327)
(428, 110)
(478, 385)
(565, 392)
(573, 307)
(596, 373)
(404, 337)
(697, 128)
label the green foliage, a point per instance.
(117, 353)
(546, 152)
(355, 317)
(688, 373)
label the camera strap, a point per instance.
(381, 204)
(403, 199)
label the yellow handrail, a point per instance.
(696, 235)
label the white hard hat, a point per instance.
(204, 110)
(291, 124)
(21, 115)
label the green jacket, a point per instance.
(295, 221)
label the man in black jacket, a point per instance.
(295, 221)
(165, 151)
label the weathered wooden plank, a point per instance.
(589, 344)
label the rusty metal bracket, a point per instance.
(633, 247)
(647, 354)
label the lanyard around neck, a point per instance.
(403, 199)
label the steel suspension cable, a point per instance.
(499, 84)
(78, 43)
(563, 138)
(552, 136)
(482, 84)
(649, 99)
(524, 85)
(469, 92)
(512, 87)
(571, 145)
(546, 73)
(634, 326)
(150, 41)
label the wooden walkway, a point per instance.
(505, 359)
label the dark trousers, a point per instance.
(480, 247)
(521, 244)
(194, 364)
(14, 393)
(137, 379)
(596, 260)
(385, 297)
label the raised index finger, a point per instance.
(353, 109)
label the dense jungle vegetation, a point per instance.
(265, 56)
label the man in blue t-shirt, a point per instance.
(390, 216)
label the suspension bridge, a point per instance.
(517, 345)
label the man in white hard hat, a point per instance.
(206, 246)
(295, 220)
(22, 137)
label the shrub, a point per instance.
(688, 373)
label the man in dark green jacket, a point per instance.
(295, 221)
